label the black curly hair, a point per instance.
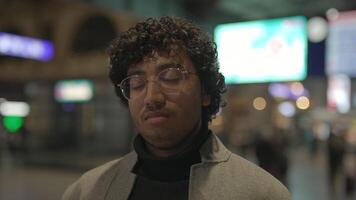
(160, 35)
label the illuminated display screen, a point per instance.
(25, 47)
(67, 91)
(263, 51)
(14, 108)
(338, 93)
(341, 45)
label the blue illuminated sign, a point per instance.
(25, 47)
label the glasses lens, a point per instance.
(170, 79)
(132, 86)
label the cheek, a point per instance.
(135, 109)
(190, 105)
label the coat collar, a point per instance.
(213, 150)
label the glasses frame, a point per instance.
(184, 72)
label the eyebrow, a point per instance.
(168, 65)
(135, 71)
(163, 66)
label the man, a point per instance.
(166, 71)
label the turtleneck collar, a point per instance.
(172, 168)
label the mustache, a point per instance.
(155, 113)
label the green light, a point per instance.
(13, 123)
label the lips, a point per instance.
(154, 114)
(155, 117)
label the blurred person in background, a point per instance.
(349, 164)
(336, 150)
(349, 168)
(270, 148)
(166, 71)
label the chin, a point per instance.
(165, 145)
(162, 141)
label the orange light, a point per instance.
(303, 103)
(259, 103)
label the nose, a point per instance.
(154, 98)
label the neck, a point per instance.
(181, 147)
(170, 165)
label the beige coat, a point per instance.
(220, 176)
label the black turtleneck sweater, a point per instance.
(165, 178)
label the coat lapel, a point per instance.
(121, 186)
(212, 152)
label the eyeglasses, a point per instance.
(170, 81)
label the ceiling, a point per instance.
(222, 10)
(253, 9)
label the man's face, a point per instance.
(167, 121)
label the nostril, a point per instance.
(155, 105)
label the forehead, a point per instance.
(158, 59)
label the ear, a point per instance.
(206, 100)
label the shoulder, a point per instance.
(94, 181)
(241, 178)
(257, 179)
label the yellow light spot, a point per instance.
(259, 103)
(303, 103)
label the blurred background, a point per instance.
(290, 66)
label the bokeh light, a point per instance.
(287, 109)
(13, 123)
(297, 88)
(259, 103)
(332, 14)
(317, 29)
(303, 103)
